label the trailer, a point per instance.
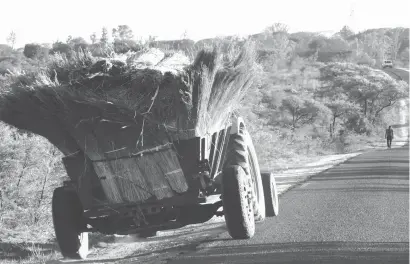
(223, 164)
(148, 139)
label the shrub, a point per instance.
(5, 67)
(30, 169)
(5, 50)
(80, 47)
(62, 48)
(32, 50)
(359, 124)
(123, 46)
(365, 59)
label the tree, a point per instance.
(371, 90)
(391, 93)
(276, 51)
(122, 32)
(184, 35)
(77, 40)
(27, 163)
(396, 42)
(346, 32)
(303, 111)
(32, 51)
(317, 44)
(277, 28)
(377, 44)
(358, 124)
(62, 48)
(365, 59)
(123, 46)
(78, 43)
(152, 38)
(93, 38)
(69, 38)
(5, 50)
(11, 39)
(335, 45)
(358, 46)
(404, 56)
(340, 106)
(104, 36)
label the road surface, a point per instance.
(402, 75)
(356, 212)
(397, 73)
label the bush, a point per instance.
(123, 46)
(298, 63)
(359, 125)
(32, 51)
(30, 168)
(80, 47)
(5, 50)
(185, 45)
(365, 59)
(5, 67)
(62, 48)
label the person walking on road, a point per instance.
(389, 135)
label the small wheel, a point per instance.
(271, 194)
(237, 203)
(67, 218)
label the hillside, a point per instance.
(340, 46)
(402, 35)
(368, 47)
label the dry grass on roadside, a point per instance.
(25, 253)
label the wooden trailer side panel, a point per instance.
(156, 175)
(81, 171)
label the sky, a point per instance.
(46, 21)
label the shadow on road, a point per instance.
(143, 254)
(362, 174)
(375, 161)
(386, 164)
(304, 252)
(403, 189)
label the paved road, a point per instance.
(400, 74)
(356, 212)
(403, 75)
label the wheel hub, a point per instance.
(249, 195)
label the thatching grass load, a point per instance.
(115, 109)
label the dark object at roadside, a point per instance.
(389, 135)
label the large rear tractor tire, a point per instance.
(242, 152)
(67, 218)
(237, 203)
(241, 170)
(271, 194)
(254, 170)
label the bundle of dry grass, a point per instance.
(124, 106)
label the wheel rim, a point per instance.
(248, 197)
(252, 173)
(274, 195)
